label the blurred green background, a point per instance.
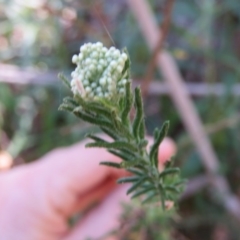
(39, 37)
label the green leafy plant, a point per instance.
(102, 96)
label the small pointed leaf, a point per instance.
(138, 120)
(65, 81)
(159, 136)
(137, 184)
(111, 164)
(169, 172)
(143, 191)
(128, 179)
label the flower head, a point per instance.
(99, 72)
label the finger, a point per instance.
(102, 219)
(167, 149)
(103, 188)
(70, 173)
(6, 160)
(46, 192)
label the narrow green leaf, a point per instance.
(142, 129)
(168, 172)
(126, 69)
(138, 120)
(137, 184)
(130, 164)
(127, 104)
(128, 179)
(169, 163)
(180, 182)
(95, 108)
(66, 107)
(172, 189)
(150, 197)
(143, 143)
(155, 159)
(156, 134)
(110, 133)
(93, 137)
(114, 118)
(122, 155)
(70, 100)
(99, 110)
(115, 145)
(159, 136)
(121, 103)
(136, 171)
(65, 81)
(111, 164)
(143, 191)
(91, 119)
(162, 196)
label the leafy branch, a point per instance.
(128, 142)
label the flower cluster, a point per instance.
(99, 71)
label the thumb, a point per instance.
(45, 193)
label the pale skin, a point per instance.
(37, 199)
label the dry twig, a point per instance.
(185, 106)
(163, 35)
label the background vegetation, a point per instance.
(39, 37)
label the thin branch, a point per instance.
(164, 28)
(171, 74)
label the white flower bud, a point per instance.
(74, 59)
(88, 89)
(85, 83)
(99, 44)
(116, 53)
(107, 54)
(98, 71)
(73, 74)
(121, 90)
(101, 55)
(93, 85)
(104, 50)
(119, 68)
(99, 68)
(80, 56)
(109, 80)
(88, 61)
(92, 67)
(112, 49)
(80, 76)
(88, 75)
(124, 81)
(113, 64)
(102, 62)
(103, 81)
(94, 47)
(124, 56)
(109, 59)
(73, 82)
(99, 89)
(83, 48)
(94, 55)
(121, 61)
(106, 73)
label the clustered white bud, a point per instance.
(99, 71)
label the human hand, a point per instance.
(37, 199)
